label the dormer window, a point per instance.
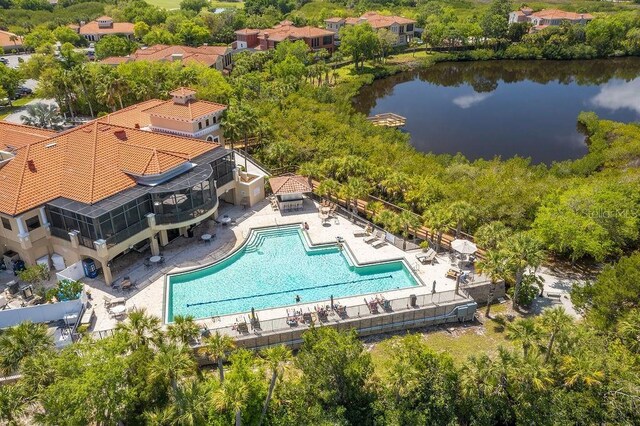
(207, 122)
(214, 119)
(199, 125)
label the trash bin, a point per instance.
(413, 300)
(90, 269)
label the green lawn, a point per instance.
(175, 4)
(463, 342)
(17, 104)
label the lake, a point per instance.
(506, 108)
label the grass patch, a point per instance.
(17, 105)
(462, 343)
(175, 4)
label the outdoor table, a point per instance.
(119, 309)
(325, 210)
(206, 237)
(155, 259)
(225, 220)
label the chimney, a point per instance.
(32, 166)
(176, 57)
(137, 126)
(266, 36)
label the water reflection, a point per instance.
(506, 108)
(617, 95)
(467, 101)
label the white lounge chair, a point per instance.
(379, 244)
(373, 238)
(428, 257)
(359, 233)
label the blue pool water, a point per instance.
(272, 268)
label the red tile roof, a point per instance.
(182, 91)
(189, 111)
(207, 55)
(16, 135)
(286, 30)
(88, 163)
(5, 39)
(133, 116)
(293, 184)
(116, 28)
(376, 20)
(561, 14)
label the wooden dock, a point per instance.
(388, 119)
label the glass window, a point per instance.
(409, 27)
(33, 223)
(6, 224)
(327, 40)
(132, 216)
(207, 122)
(199, 124)
(119, 223)
(56, 220)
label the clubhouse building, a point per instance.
(132, 180)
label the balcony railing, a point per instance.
(127, 233)
(60, 233)
(163, 219)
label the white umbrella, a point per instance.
(464, 246)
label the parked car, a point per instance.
(25, 90)
(4, 61)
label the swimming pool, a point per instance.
(270, 269)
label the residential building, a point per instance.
(10, 41)
(402, 27)
(218, 57)
(547, 17)
(132, 180)
(103, 26)
(315, 38)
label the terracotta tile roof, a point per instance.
(333, 20)
(89, 163)
(560, 14)
(17, 135)
(184, 112)
(133, 116)
(104, 18)
(207, 55)
(5, 39)
(293, 184)
(382, 21)
(117, 28)
(115, 60)
(287, 31)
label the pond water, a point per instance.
(506, 108)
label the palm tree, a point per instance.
(275, 356)
(494, 266)
(239, 121)
(82, 75)
(184, 329)
(355, 189)
(408, 221)
(328, 188)
(172, 363)
(523, 251)
(438, 220)
(21, 342)
(557, 322)
(491, 235)
(216, 347)
(140, 329)
(462, 213)
(389, 220)
(12, 404)
(525, 331)
(188, 406)
(43, 115)
(232, 395)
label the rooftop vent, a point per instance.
(50, 145)
(32, 166)
(120, 134)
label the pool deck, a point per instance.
(184, 254)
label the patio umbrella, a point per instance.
(464, 246)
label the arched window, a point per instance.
(209, 138)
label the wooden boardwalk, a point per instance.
(388, 119)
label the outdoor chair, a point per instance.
(379, 244)
(373, 238)
(428, 257)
